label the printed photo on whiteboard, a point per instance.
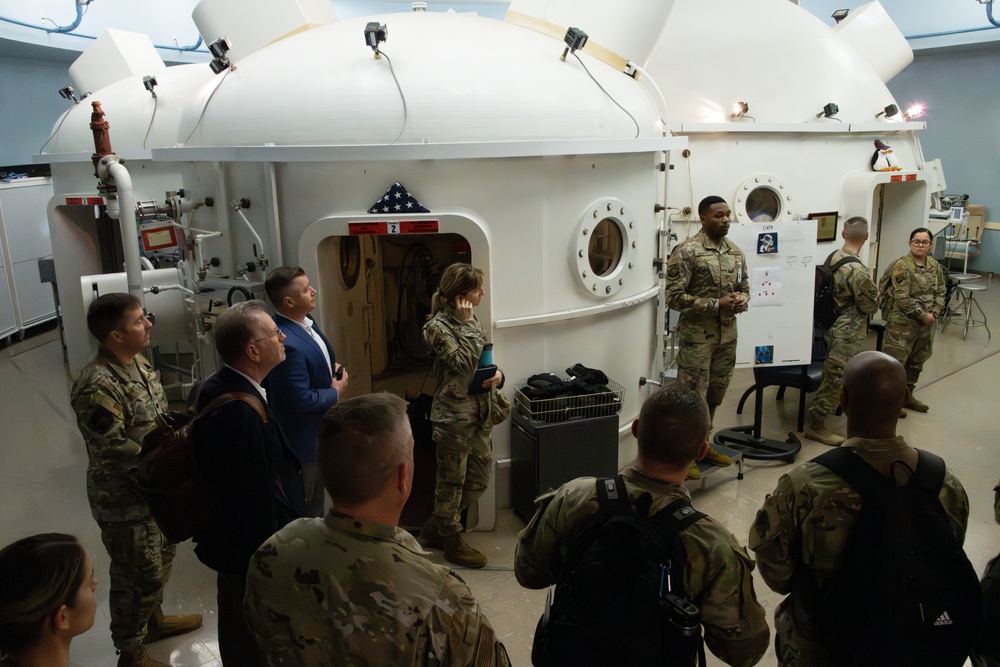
(767, 243)
(764, 354)
(765, 286)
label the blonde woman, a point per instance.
(463, 415)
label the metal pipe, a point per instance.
(125, 214)
(261, 256)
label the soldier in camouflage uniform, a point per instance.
(803, 527)
(911, 293)
(707, 284)
(855, 297)
(463, 421)
(671, 430)
(116, 400)
(353, 588)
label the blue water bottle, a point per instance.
(486, 358)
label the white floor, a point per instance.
(42, 464)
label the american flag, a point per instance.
(397, 200)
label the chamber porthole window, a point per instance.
(763, 198)
(605, 249)
(763, 204)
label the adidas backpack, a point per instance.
(619, 598)
(905, 592)
(824, 309)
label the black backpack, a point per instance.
(824, 310)
(905, 592)
(987, 650)
(619, 599)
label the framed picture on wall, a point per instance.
(826, 225)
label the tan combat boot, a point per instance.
(431, 536)
(458, 552)
(816, 430)
(913, 404)
(693, 472)
(717, 458)
(161, 627)
(138, 657)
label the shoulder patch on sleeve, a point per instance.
(101, 420)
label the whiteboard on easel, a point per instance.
(781, 259)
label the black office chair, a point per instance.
(806, 378)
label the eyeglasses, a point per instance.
(917, 242)
(277, 332)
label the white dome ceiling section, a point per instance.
(138, 121)
(464, 78)
(736, 54)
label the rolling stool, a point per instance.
(968, 294)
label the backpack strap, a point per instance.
(231, 396)
(258, 406)
(928, 476)
(676, 516)
(668, 523)
(612, 498)
(843, 260)
(612, 493)
(856, 471)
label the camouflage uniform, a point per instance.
(996, 503)
(806, 523)
(115, 406)
(854, 297)
(718, 575)
(698, 275)
(343, 591)
(906, 292)
(463, 422)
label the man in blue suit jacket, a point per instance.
(309, 381)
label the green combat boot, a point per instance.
(816, 430)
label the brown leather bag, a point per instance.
(168, 477)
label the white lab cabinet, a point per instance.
(24, 238)
(7, 326)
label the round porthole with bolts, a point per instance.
(762, 198)
(605, 247)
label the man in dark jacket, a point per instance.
(255, 477)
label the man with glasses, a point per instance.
(116, 400)
(255, 478)
(309, 381)
(912, 295)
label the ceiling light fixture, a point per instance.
(830, 110)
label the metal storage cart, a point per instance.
(555, 440)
